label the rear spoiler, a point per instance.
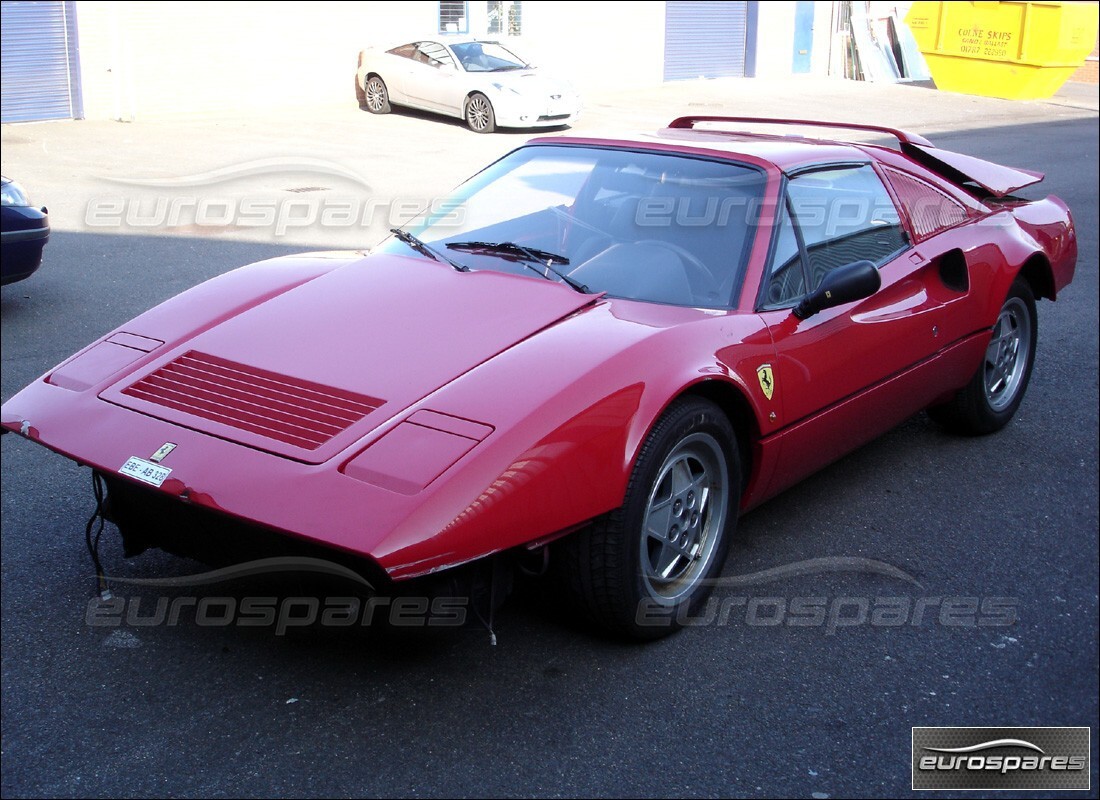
(955, 167)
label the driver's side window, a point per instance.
(831, 217)
(787, 273)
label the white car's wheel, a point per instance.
(377, 96)
(479, 114)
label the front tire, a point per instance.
(644, 569)
(480, 117)
(990, 399)
(377, 95)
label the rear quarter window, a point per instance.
(929, 210)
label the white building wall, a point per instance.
(823, 37)
(775, 39)
(141, 59)
(597, 45)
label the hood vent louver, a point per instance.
(286, 409)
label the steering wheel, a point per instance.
(703, 285)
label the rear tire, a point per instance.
(643, 570)
(990, 399)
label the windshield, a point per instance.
(486, 57)
(645, 226)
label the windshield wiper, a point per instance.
(426, 249)
(526, 255)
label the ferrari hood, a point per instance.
(312, 370)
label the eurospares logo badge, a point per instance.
(1001, 758)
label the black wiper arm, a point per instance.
(426, 249)
(527, 256)
(533, 253)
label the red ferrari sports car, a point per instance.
(597, 355)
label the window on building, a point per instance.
(505, 17)
(453, 17)
(515, 19)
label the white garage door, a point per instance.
(39, 74)
(705, 39)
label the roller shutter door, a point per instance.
(39, 70)
(705, 39)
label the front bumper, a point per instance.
(26, 231)
(518, 112)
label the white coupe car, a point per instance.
(479, 81)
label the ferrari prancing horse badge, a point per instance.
(767, 380)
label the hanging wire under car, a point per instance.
(92, 541)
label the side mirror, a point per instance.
(853, 281)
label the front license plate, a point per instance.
(145, 471)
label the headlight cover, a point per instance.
(12, 194)
(421, 448)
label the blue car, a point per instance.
(24, 233)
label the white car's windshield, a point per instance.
(641, 225)
(486, 57)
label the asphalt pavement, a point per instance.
(993, 539)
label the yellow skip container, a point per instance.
(1018, 51)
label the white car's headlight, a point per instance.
(500, 87)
